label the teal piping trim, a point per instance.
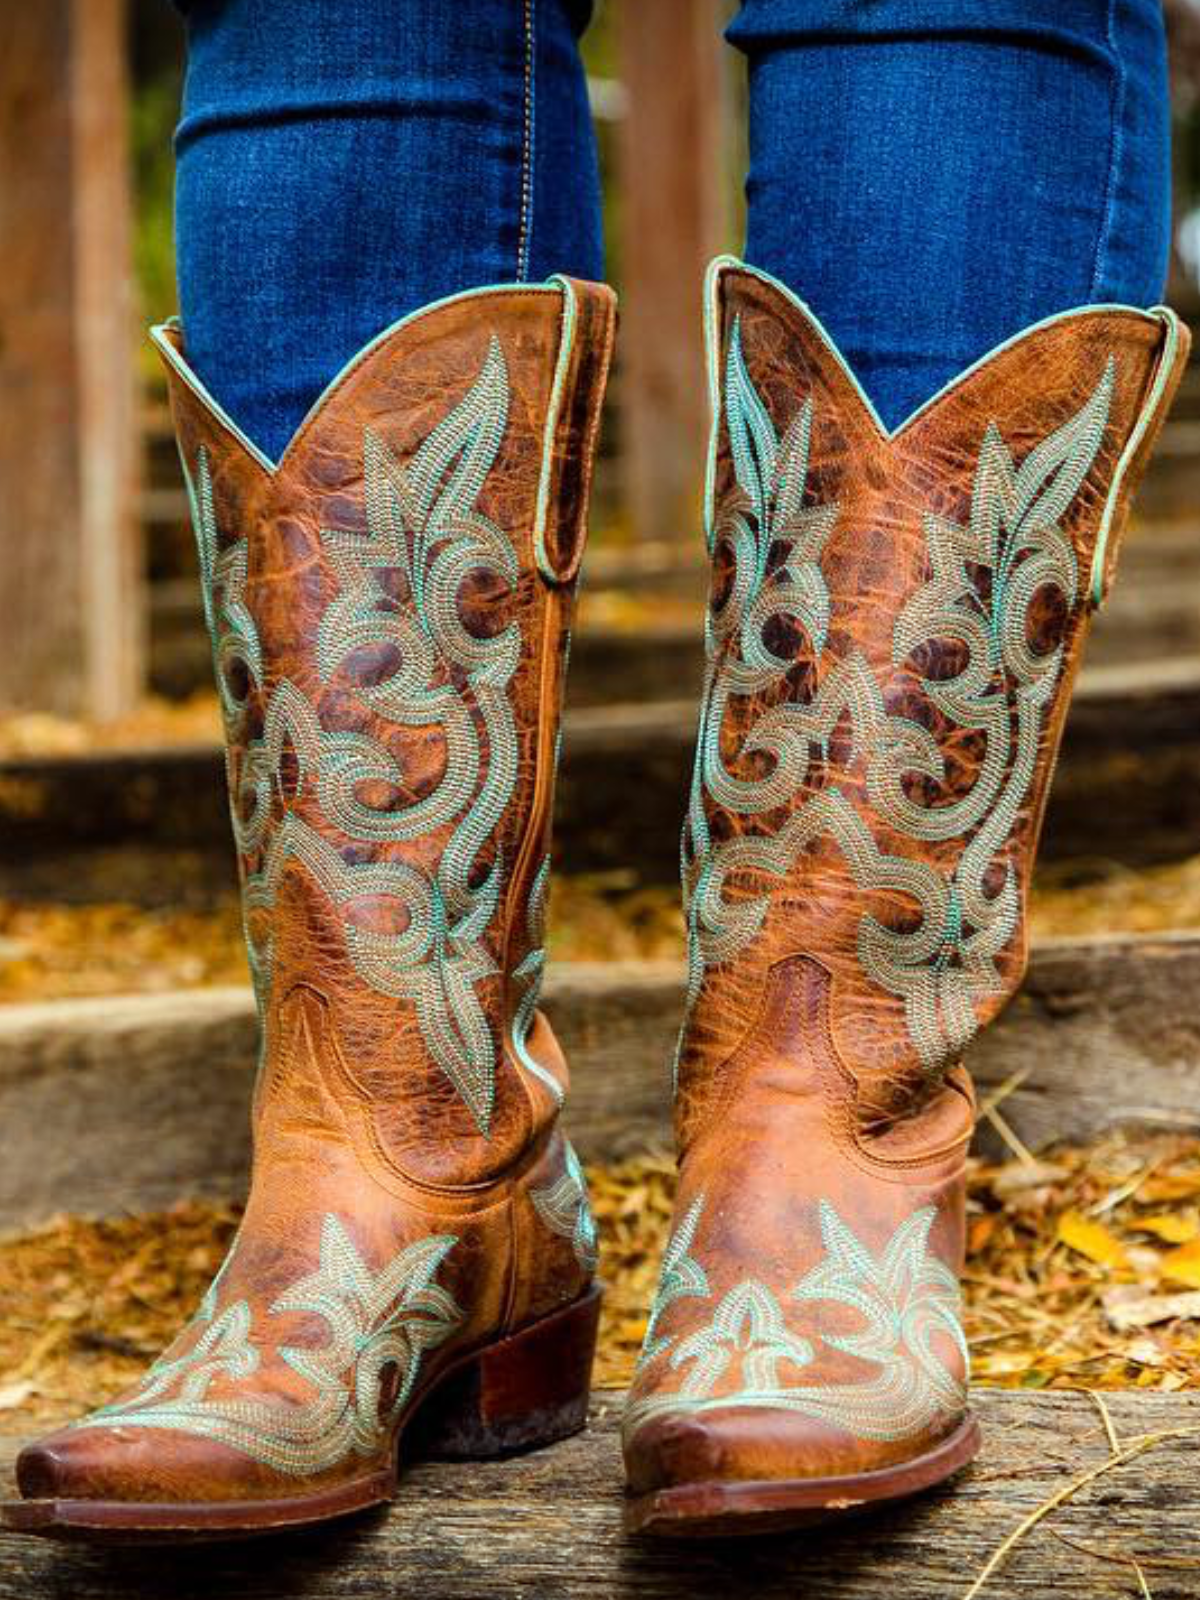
(1162, 315)
(1162, 375)
(723, 264)
(712, 364)
(158, 336)
(562, 366)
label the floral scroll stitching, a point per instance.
(946, 963)
(378, 1322)
(679, 1276)
(747, 1355)
(424, 528)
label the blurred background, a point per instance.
(126, 1030)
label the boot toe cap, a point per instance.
(144, 1465)
(743, 1444)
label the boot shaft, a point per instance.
(389, 605)
(895, 624)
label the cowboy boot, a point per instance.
(895, 623)
(389, 606)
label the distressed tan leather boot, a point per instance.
(389, 606)
(896, 620)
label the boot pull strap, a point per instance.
(1172, 357)
(572, 425)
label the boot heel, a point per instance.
(520, 1393)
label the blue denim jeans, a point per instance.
(930, 175)
(341, 164)
(934, 175)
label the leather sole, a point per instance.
(718, 1510)
(524, 1391)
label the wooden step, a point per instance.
(547, 1526)
(153, 825)
(1127, 787)
(613, 664)
(136, 1101)
(1154, 614)
(1170, 486)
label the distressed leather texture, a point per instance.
(354, 1117)
(807, 1323)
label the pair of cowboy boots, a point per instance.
(895, 623)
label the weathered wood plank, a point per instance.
(70, 603)
(110, 551)
(1170, 486)
(101, 1102)
(671, 149)
(547, 1525)
(133, 1102)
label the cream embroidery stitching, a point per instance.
(565, 1209)
(679, 1276)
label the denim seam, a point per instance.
(527, 145)
(1115, 149)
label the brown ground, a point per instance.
(1078, 1263)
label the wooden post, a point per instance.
(70, 580)
(673, 191)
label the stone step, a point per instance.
(547, 1526)
(152, 825)
(135, 1101)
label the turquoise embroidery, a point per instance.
(224, 1347)
(528, 973)
(223, 574)
(946, 963)
(766, 508)
(380, 1327)
(1013, 534)
(678, 1277)
(746, 1355)
(423, 528)
(747, 1326)
(565, 1209)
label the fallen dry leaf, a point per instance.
(1016, 1176)
(1126, 1310)
(1091, 1239)
(1171, 1227)
(1146, 1352)
(1183, 1265)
